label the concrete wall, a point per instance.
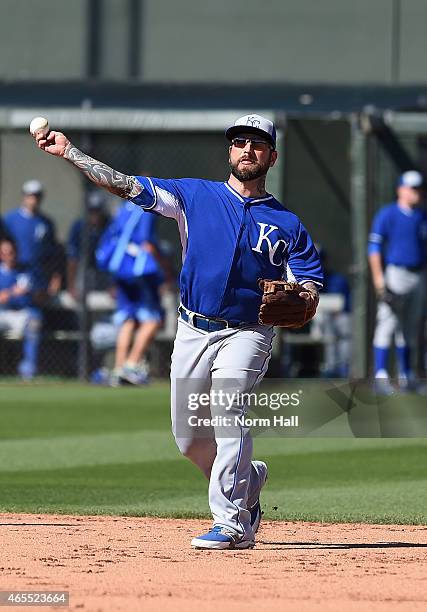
(43, 39)
(277, 40)
(197, 41)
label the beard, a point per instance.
(256, 170)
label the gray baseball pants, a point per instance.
(404, 324)
(235, 359)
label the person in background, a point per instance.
(17, 312)
(34, 235)
(336, 325)
(397, 255)
(139, 313)
(97, 219)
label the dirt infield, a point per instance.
(119, 563)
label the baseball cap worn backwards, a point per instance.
(253, 124)
(411, 178)
(32, 187)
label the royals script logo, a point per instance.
(276, 250)
(253, 121)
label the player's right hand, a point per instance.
(54, 143)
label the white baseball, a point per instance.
(39, 125)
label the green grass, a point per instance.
(67, 448)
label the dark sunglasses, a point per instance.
(256, 143)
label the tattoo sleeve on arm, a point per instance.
(122, 185)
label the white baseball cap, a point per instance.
(253, 124)
(32, 187)
(411, 178)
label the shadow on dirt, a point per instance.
(311, 545)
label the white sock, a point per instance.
(381, 374)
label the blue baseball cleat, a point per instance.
(221, 538)
(133, 375)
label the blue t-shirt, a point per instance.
(34, 236)
(20, 277)
(229, 242)
(400, 235)
(143, 230)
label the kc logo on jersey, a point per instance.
(276, 250)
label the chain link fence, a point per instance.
(316, 181)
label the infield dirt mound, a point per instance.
(120, 563)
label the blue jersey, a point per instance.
(34, 236)
(144, 231)
(229, 242)
(400, 235)
(16, 277)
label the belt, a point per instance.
(204, 323)
(410, 268)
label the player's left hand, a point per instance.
(394, 300)
(286, 304)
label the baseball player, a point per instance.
(139, 313)
(97, 221)
(17, 311)
(397, 254)
(34, 233)
(233, 234)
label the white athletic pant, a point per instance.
(14, 321)
(403, 324)
(234, 358)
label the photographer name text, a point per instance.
(244, 421)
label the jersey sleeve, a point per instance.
(378, 233)
(303, 262)
(161, 196)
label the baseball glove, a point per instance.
(286, 304)
(394, 300)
